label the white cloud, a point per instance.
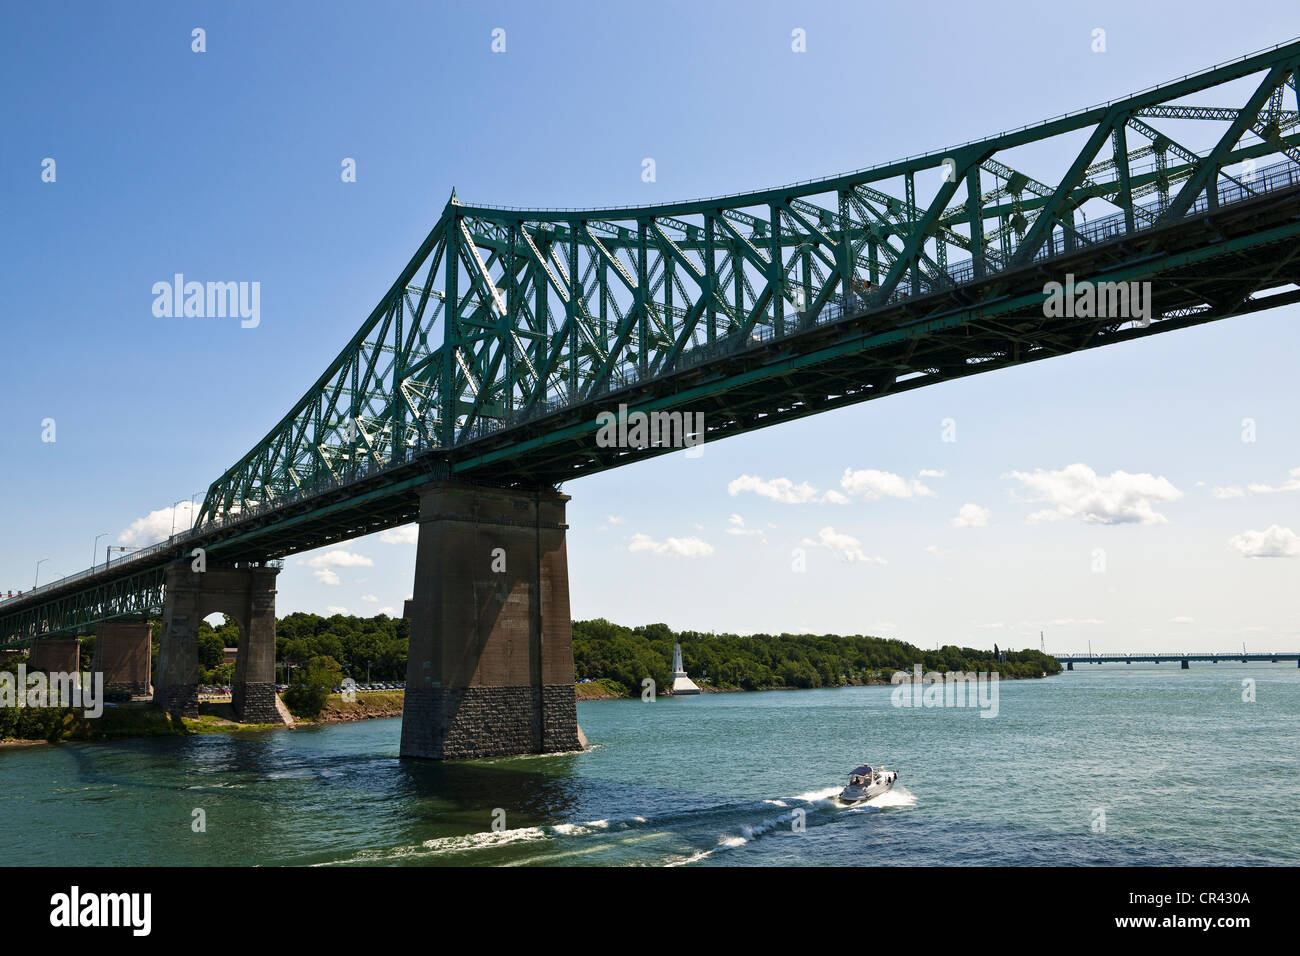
(340, 559)
(615, 519)
(1292, 483)
(776, 489)
(1183, 620)
(672, 547)
(387, 610)
(931, 473)
(406, 534)
(158, 525)
(995, 624)
(971, 516)
(737, 526)
(1077, 491)
(370, 598)
(1274, 542)
(872, 485)
(334, 609)
(1231, 491)
(845, 547)
(325, 564)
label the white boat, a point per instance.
(866, 782)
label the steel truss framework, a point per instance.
(504, 316)
(138, 595)
(490, 355)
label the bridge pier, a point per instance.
(245, 594)
(1186, 665)
(124, 655)
(56, 655)
(1069, 665)
(490, 669)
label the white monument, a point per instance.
(681, 683)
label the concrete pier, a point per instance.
(56, 655)
(124, 655)
(490, 669)
(248, 596)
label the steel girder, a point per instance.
(507, 315)
(136, 595)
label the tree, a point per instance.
(312, 685)
(212, 650)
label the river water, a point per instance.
(1110, 764)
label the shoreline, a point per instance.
(146, 721)
(710, 689)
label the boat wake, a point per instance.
(578, 840)
(805, 803)
(890, 799)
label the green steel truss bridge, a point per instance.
(509, 330)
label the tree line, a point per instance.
(627, 655)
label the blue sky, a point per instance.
(226, 164)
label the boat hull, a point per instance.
(859, 794)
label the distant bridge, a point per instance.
(1069, 660)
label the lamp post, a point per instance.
(174, 507)
(38, 572)
(94, 548)
(124, 548)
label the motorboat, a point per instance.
(866, 782)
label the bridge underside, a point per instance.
(1204, 269)
(1200, 271)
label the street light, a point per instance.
(124, 548)
(94, 549)
(38, 572)
(174, 507)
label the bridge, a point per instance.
(474, 387)
(1069, 660)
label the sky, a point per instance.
(1145, 496)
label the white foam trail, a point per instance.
(896, 797)
(571, 829)
(752, 832)
(686, 861)
(817, 796)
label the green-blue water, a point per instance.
(1184, 770)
